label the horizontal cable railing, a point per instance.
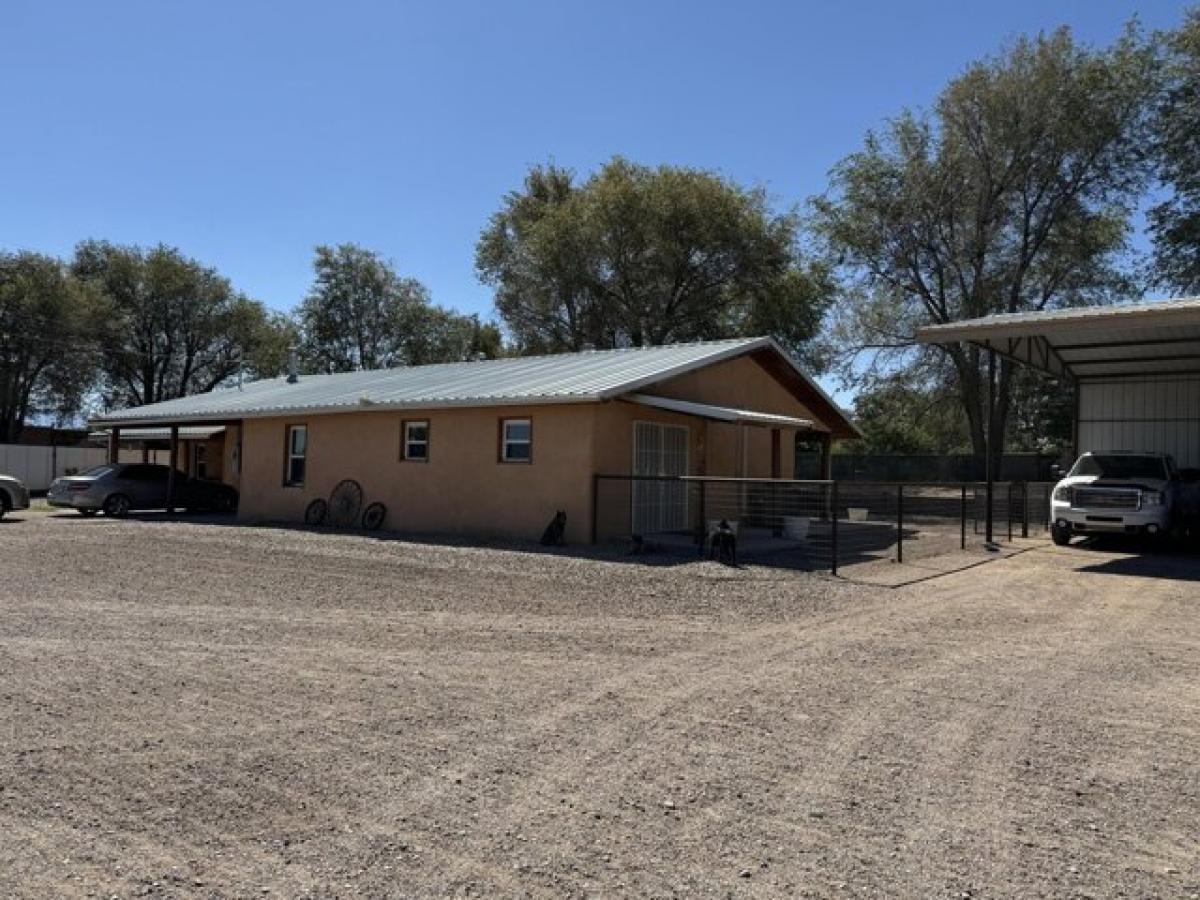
(814, 524)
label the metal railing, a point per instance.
(815, 524)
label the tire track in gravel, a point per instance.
(671, 683)
(976, 739)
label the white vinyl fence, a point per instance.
(37, 466)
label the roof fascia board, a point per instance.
(233, 416)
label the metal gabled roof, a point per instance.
(587, 376)
(1090, 342)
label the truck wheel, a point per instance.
(1060, 536)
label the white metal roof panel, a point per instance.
(561, 378)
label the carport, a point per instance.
(173, 438)
(1136, 369)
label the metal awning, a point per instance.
(186, 433)
(720, 413)
(1084, 343)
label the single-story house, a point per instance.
(496, 447)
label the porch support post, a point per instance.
(989, 440)
(114, 445)
(826, 456)
(145, 451)
(171, 471)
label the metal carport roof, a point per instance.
(1128, 341)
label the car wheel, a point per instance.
(1060, 536)
(117, 506)
(87, 513)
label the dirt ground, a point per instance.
(191, 709)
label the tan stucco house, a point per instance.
(495, 447)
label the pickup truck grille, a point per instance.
(1107, 498)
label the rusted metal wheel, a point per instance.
(345, 501)
(316, 512)
(373, 516)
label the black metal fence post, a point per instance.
(1008, 511)
(962, 539)
(899, 523)
(1024, 509)
(833, 528)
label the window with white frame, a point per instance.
(415, 446)
(516, 440)
(296, 455)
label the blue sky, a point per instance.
(247, 132)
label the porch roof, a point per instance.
(721, 413)
(186, 433)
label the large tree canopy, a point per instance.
(173, 326)
(1014, 194)
(360, 314)
(49, 353)
(637, 255)
(1175, 222)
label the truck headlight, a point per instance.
(1062, 493)
(1152, 498)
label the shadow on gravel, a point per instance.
(1160, 563)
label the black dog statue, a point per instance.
(723, 544)
(555, 534)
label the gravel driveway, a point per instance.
(193, 709)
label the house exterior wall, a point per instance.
(463, 488)
(1155, 414)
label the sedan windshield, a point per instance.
(96, 471)
(1120, 466)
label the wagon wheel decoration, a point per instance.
(316, 512)
(373, 516)
(345, 500)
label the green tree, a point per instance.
(1175, 222)
(1015, 194)
(360, 314)
(637, 255)
(48, 354)
(898, 417)
(173, 326)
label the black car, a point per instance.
(117, 488)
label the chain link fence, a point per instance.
(822, 525)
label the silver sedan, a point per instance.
(118, 488)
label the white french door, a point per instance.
(659, 451)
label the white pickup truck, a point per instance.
(1115, 493)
